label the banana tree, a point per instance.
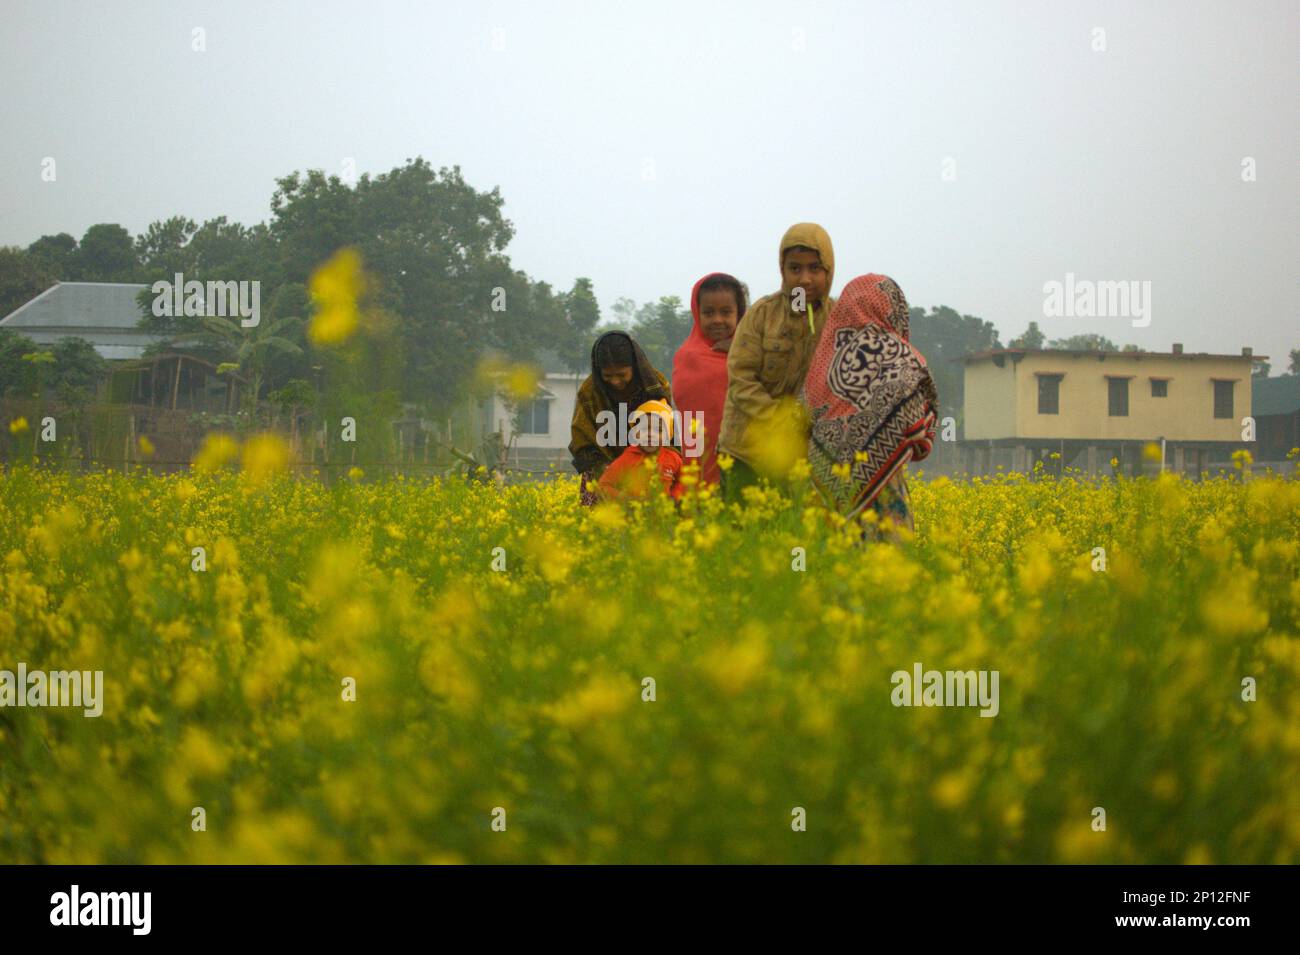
(252, 348)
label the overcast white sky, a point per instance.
(1117, 165)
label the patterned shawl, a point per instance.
(872, 400)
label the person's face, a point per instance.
(718, 316)
(805, 270)
(618, 377)
(646, 432)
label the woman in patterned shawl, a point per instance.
(872, 402)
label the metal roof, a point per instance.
(105, 314)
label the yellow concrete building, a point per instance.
(1022, 405)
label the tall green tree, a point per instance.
(17, 377)
(250, 350)
(163, 249)
(944, 337)
(75, 371)
(23, 276)
(433, 247)
(1033, 338)
(583, 316)
(107, 254)
(660, 328)
(58, 254)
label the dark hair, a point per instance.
(798, 248)
(613, 351)
(721, 283)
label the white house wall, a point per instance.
(565, 390)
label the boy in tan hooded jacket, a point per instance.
(772, 350)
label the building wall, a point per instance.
(990, 406)
(1186, 414)
(565, 389)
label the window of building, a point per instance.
(534, 417)
(1118, 397)
(1049, 394)
(1159, 388)
(1222, 399)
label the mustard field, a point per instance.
(451, 671)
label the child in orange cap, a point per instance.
(650, 433)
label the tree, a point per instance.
(23, 276)
(1294, 367)
(39, 362)
(225, 250)
(1259, 368)
(944, 337)
(76, 370)
(57, 254)
(660, 328)
(106, 254)
(163, 248)
(295, 397)
(624, 312)
(440, 290)
(432, 246)
(218, 250)
(16, 376)
(250, 349)
(583, 313)
(1032, 339)
(1089, 342)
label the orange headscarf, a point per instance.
(700, 384)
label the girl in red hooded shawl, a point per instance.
(700, 366)
(872, 402)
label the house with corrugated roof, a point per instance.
(105, 314)
(167, 397)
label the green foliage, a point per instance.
(23, 276)
(1088, 342)
(107, 254)
(297, 393)
(75, 371)
(17, 377)
(659, 328)
(58, 253)
(252, 349)
(165, 249)
(1033, 338)
(68, 371)
(433, 250)
(944, 337)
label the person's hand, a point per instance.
(724, 344)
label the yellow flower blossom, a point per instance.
(335, 288)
